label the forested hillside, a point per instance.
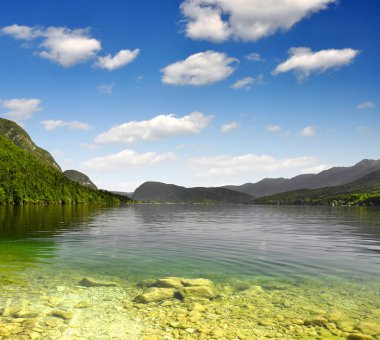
(27, 179)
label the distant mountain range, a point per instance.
(170, 193)
(362, 191)
(358, 184)
(332, 177)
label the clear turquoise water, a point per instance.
(193, 240)
(280, 272)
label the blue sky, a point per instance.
(193, 92)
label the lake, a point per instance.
(278, 272)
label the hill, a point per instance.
(332, 177)
(170, 193)
(24, 178)
(80, 178)
(362, 191)
(20, 138)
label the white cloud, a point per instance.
(51, 125)
(242, 164)
(244, 83)
(366, 105)
(21, 108)
(316, 169)
(202, 68)
(127, 159)
(247, 82)
(273, 128)
(106, 88)
(250, 20)
(229, 127)
(122, 58)
(303, 61)
(308, 131)
(68, 47)
(254, 57)
(21, 32)
(157, 128)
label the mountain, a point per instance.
(362, 191)
(123, 193)
(80, 178)
(332, 177)
(26, 178)
(170, 193)
(19, 137)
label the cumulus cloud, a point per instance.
(68, 47)
(308, 131)
(229, 127)
(316, 169)
(21, 108)
(106, 88)
(273, 128)
(250, 20)
(122, 58)
(202, 68)
(244, 83)
(247, 82)
(156, 128)
(303, 61)
(248, 163)
(51, 125)
(254, 57)
(127, 159)
(366, 105)
(21, 32)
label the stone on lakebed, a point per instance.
(198, 292)
(155, 295)
(91, 282)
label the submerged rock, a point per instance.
(62, 314)
(91, 282)
(197, 282)
(316, 321)
(155, 295)
(198, 292)
(168, 282)
(359, 336)
(26, 313)
(335, 316)
(370, 328)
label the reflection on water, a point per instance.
(279, 272)
(195, 240)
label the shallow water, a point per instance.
(300, 255)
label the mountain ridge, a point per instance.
(80, 178)
(334, 176)
(17, 135)
(158, 192)
(362, 191)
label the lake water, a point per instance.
(303, 262)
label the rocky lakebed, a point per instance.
(62, 306)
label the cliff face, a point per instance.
(19, 137)
(80, 178)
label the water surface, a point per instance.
(321, 249)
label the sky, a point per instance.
(193, 92)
